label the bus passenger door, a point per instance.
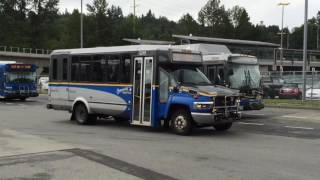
(142, 93)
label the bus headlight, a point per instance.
(203, 105)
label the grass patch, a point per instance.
(286, 103)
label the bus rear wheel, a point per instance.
(82, 116)
(181, 122)
(223, 127)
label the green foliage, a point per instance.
(214, 16)
(38, 24)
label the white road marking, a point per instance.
(304, 128)
(295, 117)
(254, 124)
(257, 114)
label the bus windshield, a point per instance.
(21, 77)
(190, 76)
(245, 75)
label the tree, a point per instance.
(241, 23)
(43, 16)
(99, 24)
(214, 16)
(116, 18)
(187, 25)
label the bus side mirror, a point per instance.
(230, 72)
(174, 89)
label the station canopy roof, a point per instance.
(148, 42)
(198, 39)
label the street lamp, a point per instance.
(283, 4)
(318, 29)
(305, 48)
(81, 25)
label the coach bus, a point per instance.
(236, 71)
(148, 85)
(17, 81)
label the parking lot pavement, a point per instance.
(24, 156)
(264, 145)
(56, 166)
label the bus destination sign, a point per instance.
(20, 66)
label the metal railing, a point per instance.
(286, 84)
(24, 50)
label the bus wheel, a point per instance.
(82, 116)
(223, 127)
(23, 99)
(181, 122)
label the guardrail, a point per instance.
(24, 50)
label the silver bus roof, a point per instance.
(120, 49)
(206, 49)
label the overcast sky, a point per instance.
(259, 10)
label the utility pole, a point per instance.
(288, 39)
(283, 4)
(81, 25)
(134, 17)
(305, 53)
(318, 29)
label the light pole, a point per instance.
(81, 25)
(283, 4)
(305, 48)
(318, 29)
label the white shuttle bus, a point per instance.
(147, 85)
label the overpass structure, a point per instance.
(38, 57)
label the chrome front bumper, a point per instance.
(215, 118)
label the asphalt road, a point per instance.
(267, 144)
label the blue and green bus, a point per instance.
(17, 81)
(147, 85)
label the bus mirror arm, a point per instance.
(175, 89)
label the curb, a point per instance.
(285, 107)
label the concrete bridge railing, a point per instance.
(11, 49)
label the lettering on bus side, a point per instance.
(126, 90)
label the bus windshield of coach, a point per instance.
(190, 77)
(245, 76)
(21, 77)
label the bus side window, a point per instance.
(54, 69)
(85, 68)
(97, 68)
(113, 69)
(65, 69)
(75, 73)
(126, 69)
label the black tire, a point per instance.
(223, 127)
(23, 99)
(82, 116)
(181, 122)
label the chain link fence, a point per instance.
(289, 85)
